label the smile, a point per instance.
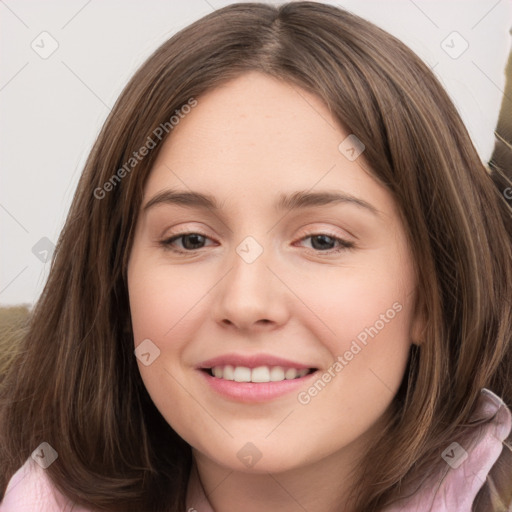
(253, 378)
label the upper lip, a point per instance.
(251, 361)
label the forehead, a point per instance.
(256, 135)
(254, 112)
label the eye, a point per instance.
(325, 242)
(189, 242)
(320, 242)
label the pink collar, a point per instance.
(456, 489)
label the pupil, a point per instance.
(196, 240)
(324, 239)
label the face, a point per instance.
(294, 269)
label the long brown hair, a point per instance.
(76, 384)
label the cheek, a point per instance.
(364, 317)
(161, 297)
(358, 303)
(162, 310)
(369, 356)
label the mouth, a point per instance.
(255, 384)
(260, 374)
(251, 378)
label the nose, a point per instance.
(251, 296)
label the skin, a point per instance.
(246, 143)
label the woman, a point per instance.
(366, 376)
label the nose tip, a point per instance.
(250, 297)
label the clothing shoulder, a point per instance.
(31, 490)
(468, 467)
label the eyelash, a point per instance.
(344, 245)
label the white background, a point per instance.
(52, 109)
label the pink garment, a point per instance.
(30, 490)
(465, 475)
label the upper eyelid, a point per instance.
(306, 231)
(305, 234)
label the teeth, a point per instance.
(227, 373)
(259, 374)
(290, 374)
(276, 374)
(242, 374)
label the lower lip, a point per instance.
(254, 391)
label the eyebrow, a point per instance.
(293, 201)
